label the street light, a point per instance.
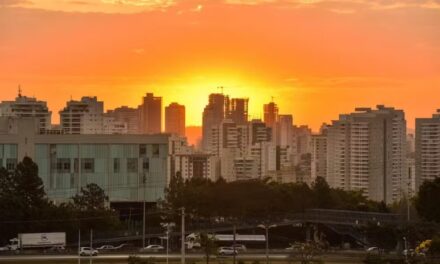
(168, 227)
(267, 227)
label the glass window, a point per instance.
(63, 165)
(11, 164)
(88, 165)
(146, 164)
(155, 150)
(142, 150)
(75, 166)
(132, 165)
(116, 165)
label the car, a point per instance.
(227, 251)
(57, 249)
(5, 248)
(106, 247)
(88, 251)
(239, 247)
(152, 248)
(294, 247)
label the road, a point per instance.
(123, 257)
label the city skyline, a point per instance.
(333, 57)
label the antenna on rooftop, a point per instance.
(221, 88)
(19, 90)
(272, 98)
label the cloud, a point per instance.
(14, 2)
(141, 3)
(338, 6)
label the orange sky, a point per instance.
(317, 58)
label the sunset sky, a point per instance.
(316, 58)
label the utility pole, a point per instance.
(79, 246)
(266, 228)
(91, 244)
(143, 215)
(183, 237)
(408, 200)
(233, 244)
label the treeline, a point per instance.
(262, 199)
(25, 207)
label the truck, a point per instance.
(37, 241)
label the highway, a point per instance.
(122, 258)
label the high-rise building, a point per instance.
(82, 117)
(175, 119)
(259, 132)
(270, 114)
(239, 110)
(319, 156)
(366, 150)
(213, 115)
(427, 149)
(24, 106)
(151, 114)
(284, 130)
(129, 116)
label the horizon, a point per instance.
(317, 59)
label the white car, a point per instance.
(239, 247)
(152, 248)
(106, 247)
(88, 251)
(227, 251)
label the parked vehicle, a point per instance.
(239, 247)
(106, 247)
(57, 249)
(227, 251)
(37, 240)
(88, 251)
(152, 248)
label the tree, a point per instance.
(28, 185)
(322, 193)
(426, 200)
(208, 245)
(92, 197)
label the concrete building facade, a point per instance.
(128, 167)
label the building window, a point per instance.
(116, 165)
(88, 165)
(63, 165)
(146, 165)
(75, 166)
(11, 164)
(142, 150)
(155, 150)
(132, 165)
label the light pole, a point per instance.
(182, 259)
(267, 227)
(144, 209)
(406, 249)
(168, 227)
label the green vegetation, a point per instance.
(427, 199)
(251, 199)
(26, 208)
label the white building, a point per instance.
(427, 148)
(366, 150)
(129, 116)
(83, 117)
(24, 106)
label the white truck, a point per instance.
(37, 240)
